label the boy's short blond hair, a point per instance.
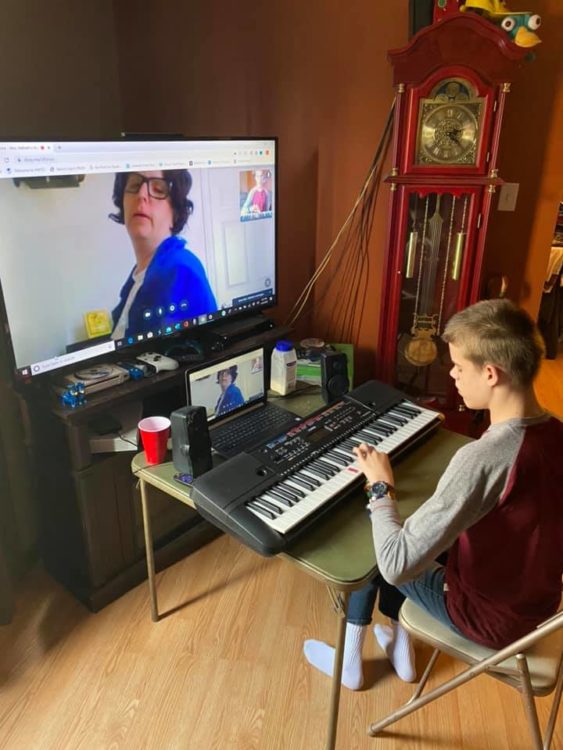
(497, 332)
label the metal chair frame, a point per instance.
(520, 680)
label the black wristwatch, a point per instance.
(377, 490)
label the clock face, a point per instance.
(449, 124)
(448, 132)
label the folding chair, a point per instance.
(532, 664)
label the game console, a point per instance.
(116, 431)
(158, 362)
(95, 378)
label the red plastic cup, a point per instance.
(155, 432)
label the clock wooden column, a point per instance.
(452, 80)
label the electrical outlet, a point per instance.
(507, 196)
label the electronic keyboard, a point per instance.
(268, 497)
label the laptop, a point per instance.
(234, 392)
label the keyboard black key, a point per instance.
(394, 420)
(282, 493)
(368, 436)
(292, 490)
(269, 505)
(326, 467)
(381, 428)
(310, 468)
(338, 458)
(288, 502)
(308, 478)
(259, 509)
(303, 481)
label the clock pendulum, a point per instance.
(421, 349)
(459, 245)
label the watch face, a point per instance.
(449, 124)
(379, 489)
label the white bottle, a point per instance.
(283, 376)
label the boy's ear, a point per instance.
(493, 374)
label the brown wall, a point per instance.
(58, 69)
(531, 154)
(313, 73)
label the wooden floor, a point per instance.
(224, 669)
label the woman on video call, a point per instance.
(231, 396)
(168, 283)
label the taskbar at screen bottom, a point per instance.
(92, 349)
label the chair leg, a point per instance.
(554, 708)
(414, 705)
(425, 676)
(529, 703)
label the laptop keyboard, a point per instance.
(248, 428)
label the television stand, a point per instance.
(89, 508)
(230, 332)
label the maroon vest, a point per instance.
(504, 573)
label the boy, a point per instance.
(498, 507)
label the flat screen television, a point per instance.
(109, 244)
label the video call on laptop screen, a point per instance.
(229, 386)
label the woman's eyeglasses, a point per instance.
(158, 187)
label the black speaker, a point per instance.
(334, 375)
(191, 444)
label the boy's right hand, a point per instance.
(375, 464)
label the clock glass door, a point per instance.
(434, 273)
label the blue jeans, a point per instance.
(362, 602)
(427, 591)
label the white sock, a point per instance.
(396, 643)
(321, 656)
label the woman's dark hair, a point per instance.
(180, 181)
(233, 370)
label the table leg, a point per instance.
(337, 672)
(149, 551)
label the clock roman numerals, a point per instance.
(449, 131)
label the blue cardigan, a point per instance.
(231, 399)
(174, 275)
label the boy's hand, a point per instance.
(375, 465)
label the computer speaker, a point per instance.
(191, 444)
(334, 375)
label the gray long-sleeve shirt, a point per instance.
(498, 509)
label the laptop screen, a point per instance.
(229, 386)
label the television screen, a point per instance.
(105, 245)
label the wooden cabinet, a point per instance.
(91, 529)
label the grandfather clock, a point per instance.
(451, 80)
